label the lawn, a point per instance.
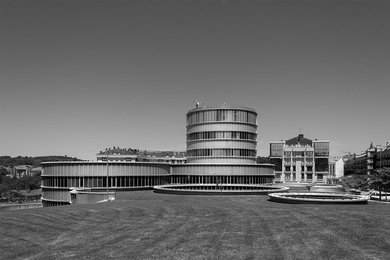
(144, 225)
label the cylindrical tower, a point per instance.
(221, 135)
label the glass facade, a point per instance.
(221, 153)
(222, 124)
(240, 179)
(218, 115)
(221, 135)
(276, 149)
(227, 170)
(101, 182)
(58, 178)
(278, 163)
(321, 164)
(321, 148)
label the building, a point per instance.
(375, 157)
(135, 155)
(382, 157)
(362, 163)
(59, 177)
(117, 154)
(336, 168)
(300, 159)
(25, 195)
(221, 149)
(19, 171)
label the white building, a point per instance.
(336, 168)
(300, 160)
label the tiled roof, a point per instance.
(299, 140)
(122, 151)
(147, 153)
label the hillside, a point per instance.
(34, 161)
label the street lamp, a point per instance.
(107, 179)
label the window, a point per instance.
(277, 162)
(321, 165)
(276, 149)
(309, 153)
(321, 148)
(221, 135)
(218, 115)
(222, 152)
(298, 154)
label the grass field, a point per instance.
(157, 226)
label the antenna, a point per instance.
(196, 103)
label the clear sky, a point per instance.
(80, 76)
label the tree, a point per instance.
(355, 181)
(29, 182)
(380, 180)
(3, 171)
(11, 183)
(3, 189)
(263, 160)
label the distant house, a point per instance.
(19, 171)
(117, 154)
(336, 167)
